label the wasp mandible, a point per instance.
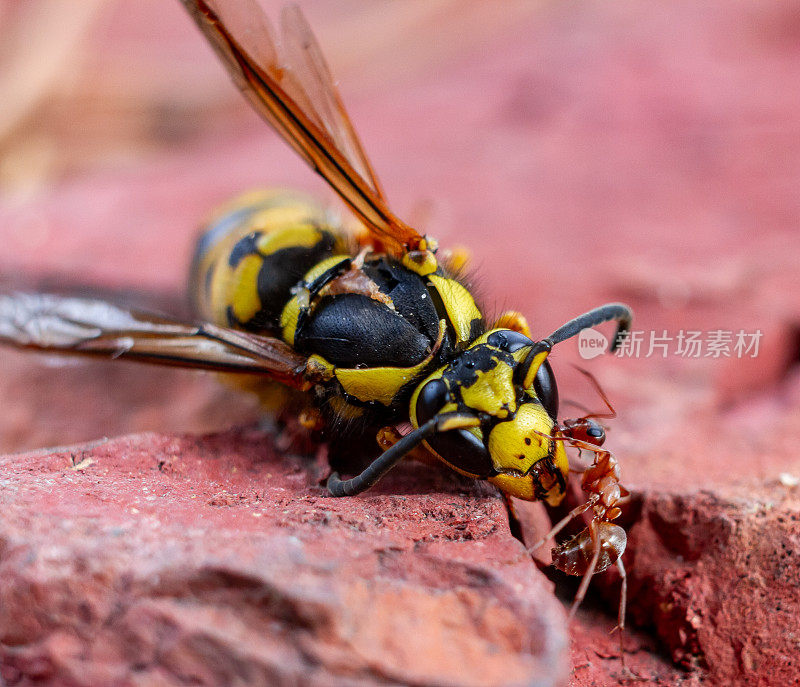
(371, 330)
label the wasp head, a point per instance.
(504, 381)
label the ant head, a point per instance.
(587, 429)
(584, 430)
(590, 431)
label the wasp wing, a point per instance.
(289, 97)
(63, 324)
(305, 58)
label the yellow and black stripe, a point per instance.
(278, 262)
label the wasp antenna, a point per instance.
(392, 456)
(604, 313)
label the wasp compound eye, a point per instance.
(431, 400)
(546, 389)
(508, 340)
(464, 447)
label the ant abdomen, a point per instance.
(574, 556)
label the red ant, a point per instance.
(585, 428)
(601, 544)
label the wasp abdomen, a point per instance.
(252, 254)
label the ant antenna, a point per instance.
(611, 414)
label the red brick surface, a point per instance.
(156, 559)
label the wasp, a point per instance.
(368, 331)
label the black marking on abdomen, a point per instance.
(279, 272)
(247, 245)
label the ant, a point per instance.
(602, 543)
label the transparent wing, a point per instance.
(63, 324)
(304, 57)
(298, 99)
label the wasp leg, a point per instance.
(311, 419)
(300, 426)
(513, 320)
(389, 436)
(391, 457)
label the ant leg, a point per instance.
(581, 467)
(574, 513)
(575, 443)
(623, 603)
(583, 445)
(587, 576)
(389, 436)
(623, 596)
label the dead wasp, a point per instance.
(371, 330)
